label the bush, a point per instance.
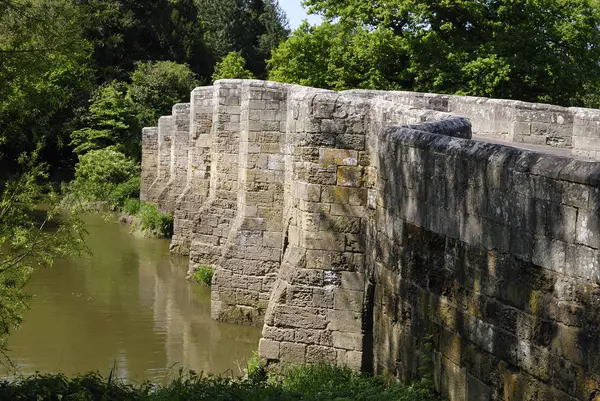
(124, 191)
(203, 274)
(155, 222)
(131, 206)
(106, 175)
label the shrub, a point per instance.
(124, 191)
(155, 222)
(203, 274)
(106, 175)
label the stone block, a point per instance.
(588, 229)
(268, 349)
(272, 239)
(292, 352)
(345, 321)
(348, 300)
(347, 341)
(477, 390)
(308, 192)
(318, 353)
(353, 281)
(454, 381)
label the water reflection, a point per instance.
(128, 306)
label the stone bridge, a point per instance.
(394, 231)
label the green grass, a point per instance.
(131, 206)
(153, 221)
(311, 383)
(203, 274)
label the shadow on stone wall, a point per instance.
(481, 258)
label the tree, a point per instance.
(337, 57)
(124, 32)
(533, 50)
(232, 67)
(157, 86)
(111, 122)
(251, 27)
(45, 78)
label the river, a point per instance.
(126, 306)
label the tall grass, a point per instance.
(153, 221)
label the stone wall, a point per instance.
(489, 254)
(367, 229)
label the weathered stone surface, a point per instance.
(370, 219)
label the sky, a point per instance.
(296, 13)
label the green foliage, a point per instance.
(111, 122)
(131, 206)
(337, 57)
(129, 189)
(203, 274)
(155, 222)
(232, 67)
(539, 51)
(310, 383)
(157, 86)
(106, 175)
(253, 364)
(124, 32)
(30, 237)
(45, 78)
(251, 27)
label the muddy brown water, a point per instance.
(128, 307)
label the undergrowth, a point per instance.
(311, 383)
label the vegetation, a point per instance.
(251, 27)
(314, 383)
(156, 87)
(152, 221)
(111, 122)
(203, 274)
(81, 75)
(106, 175)
(539, 51)
(232, 67)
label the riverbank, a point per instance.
(317, 382)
